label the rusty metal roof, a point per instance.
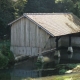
(56, 24)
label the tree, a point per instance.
(9, 10)
(69, 6)
(39, 6)
(19, 7)
(6, 15)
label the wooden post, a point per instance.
(57, 38)
(56, 43)
(69, 40)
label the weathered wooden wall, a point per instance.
(75, 41)
(51, 44)
(29, 39)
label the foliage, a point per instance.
(3, 61)
(6, 15)
(6, 56)
(62, 71)
(69, 6)
(39, 64)
(71, 65)
(5, 76)
(7, 53)
(39, 6)
(18, 7)
(9, 10)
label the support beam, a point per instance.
(57, 38)
(70, 49)
(69, 40)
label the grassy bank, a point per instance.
(61, 77)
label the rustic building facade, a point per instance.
(33, 33)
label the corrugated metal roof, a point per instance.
(56, 24)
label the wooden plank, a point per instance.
(43, 36)
(37, 37)
(11, 48)
(17, 33)
(34, 51)
(48, 45)
(14, 51)
(29, 51)
(23, 50)
(20, 50)
(32, 34)
(22, 32)
(47, 41)
(43, 39)
(53, 43)
(40, 50)
(17, 50)
(12, 36)
(27, 36)
(40, 38)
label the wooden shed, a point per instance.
(33, 33)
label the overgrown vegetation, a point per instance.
(5, 76)
(6, 56)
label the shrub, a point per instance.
(5, 76)
(71, 65)
(7, 57)
(62, 71)
(3, 61)
(6, 52)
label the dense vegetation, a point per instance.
(6, 56)
(11, 9)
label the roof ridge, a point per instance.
(44, 13)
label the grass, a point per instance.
(61, 77)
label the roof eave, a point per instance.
(16, 20)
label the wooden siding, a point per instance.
(51, 44)
(28, 39)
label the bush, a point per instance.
(62, 71)
(70, 66)
(5, 76)
(3, 61)
(7, 56)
